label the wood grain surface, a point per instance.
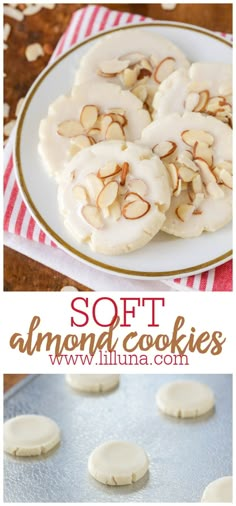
(20, 272)
(9, 380)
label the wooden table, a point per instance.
(45, 27)
(9, 380)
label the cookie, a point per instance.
(93, 383)
(220, 490)
(185, 399)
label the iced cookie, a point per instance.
(185, 399)
(197, 153)
(204, 88)
(118, 463)
(93, 382)
(139, 60)
(114, 196)
(220, 490)
(30, 435)
(94, 112)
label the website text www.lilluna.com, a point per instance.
(113, 358)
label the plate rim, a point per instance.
(193, 270)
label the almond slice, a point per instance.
(94, 186)
(132, 196)
(140, 92)
(93, 216)
(132, 57)
(215, 103)
(186, 174)
(189, 137)
(173, 174)
(108, 195)
(114, 66)
(79, 192)
(138, 186)
(164, 69)
(119, 118)
(124, 172)
(115, 210)
(205, 171)
(227, 165)
(106, 120)
(144, 72)
(184, 212)
(129, 77)
(81, 141)
(69, 128)
(198, 199)
(226, 178)
(136, 209)
(164, 149)
(202, 101)
(109, 170)
(115, 131)
(202, 150)
(191, 101)
(178, 190)
(88, 116)
(145, 64)
(197, 184)
(214, 190)
(185, 158)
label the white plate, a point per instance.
(165, 256)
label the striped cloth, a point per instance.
(17, 218)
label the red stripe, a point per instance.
(190, 281)
(78, 26)
(104, 20)
(10, 206)
(117, 18)
(20, 218)
(142, 18)
(223, 278)
(42, 236)
(129, 18)
(203, 282)
(7, 173)
(30, 229)
(177, 280)
(91, 21)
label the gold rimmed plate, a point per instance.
(165, 256)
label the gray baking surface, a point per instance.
(185, 455)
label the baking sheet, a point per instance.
(185, 455)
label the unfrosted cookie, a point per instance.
(220, 490)
(118, 463)
(30, 435)
(185, 399)
(94, 112)
(114, 196)
(197, 153)
(204, 87)
(137, 59)
(93, 382)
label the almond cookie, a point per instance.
(220, 490)
(94, 112)
(204, 88)
(114, 196)
(185, 399)
(93, 383)
(137, 59)
(197, 153)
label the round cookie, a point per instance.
(118, 463)
(204, 87)
(93, 382)
(136, 59)
(219, 490)
(185, 399)
(113, 196)
(92, 113)
(197, 153)
(30, 435)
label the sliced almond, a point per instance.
(124, 172)
(205, 171)
(214, 103)
(173, 174)
(114, 66)
(129, 77)
(132, 57)
(115, 131)
(227, 165)
(178, 190)
(108, 195)
(109, 170)
(145, 64)
(94, 132)
(185, 158)
(164, 69)
(120, 118)
(81, 141)
(138, 186)
(184, 211)
(202, 101)
(93, 216)
(69, 128)
(198, 199)
(214, 190)
(202, 150)
(79, 192)
(88, 116)
(226, 178)
(132, 196)
(94, 186)
(144, 72)
(106, 120)
(115, 210)
(186, 174)
(197, 184)
(164, 149)
(136, 209)
(190, 137)
(141, 92)
(191, 101)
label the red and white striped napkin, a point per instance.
(17, 218)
